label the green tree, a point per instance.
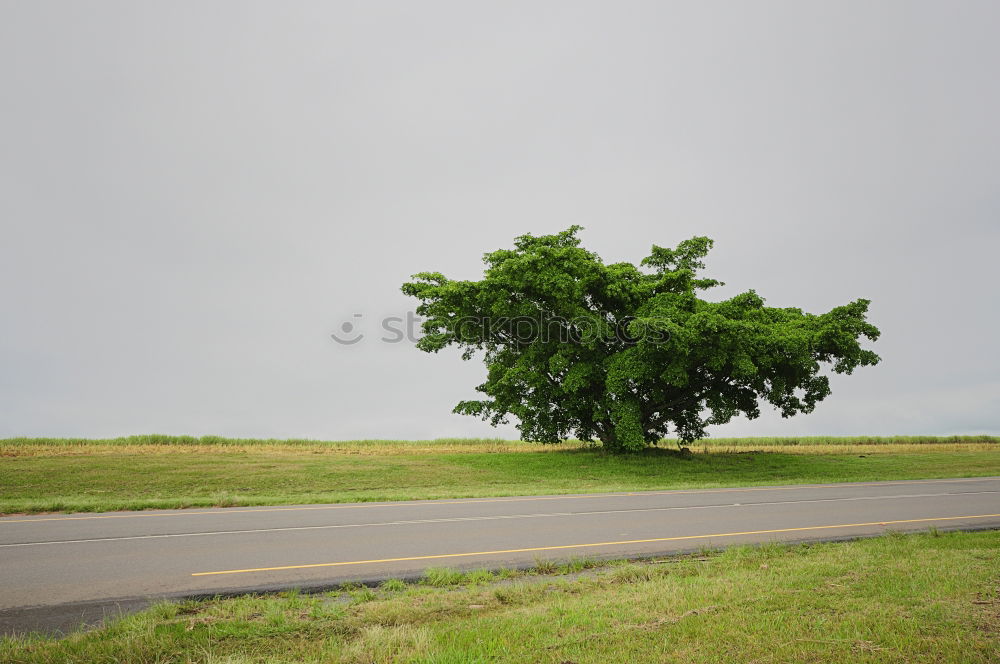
(626, 354)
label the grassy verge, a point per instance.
(161, 472)
(899, 598)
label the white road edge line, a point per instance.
(223, 511)
(488, 518)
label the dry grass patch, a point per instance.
(142, 472)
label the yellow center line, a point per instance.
(431, 502)
(591, 544)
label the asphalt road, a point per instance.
(58, 571)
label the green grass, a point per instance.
(150, 443)
(40, 475)
(899, 598)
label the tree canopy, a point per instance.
(628, 354)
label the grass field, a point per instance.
(165, 472)
(899, 598)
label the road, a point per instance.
(58, 570)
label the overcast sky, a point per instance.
(193, 196)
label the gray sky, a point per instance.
(194, 195)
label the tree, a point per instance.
(628, 354)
